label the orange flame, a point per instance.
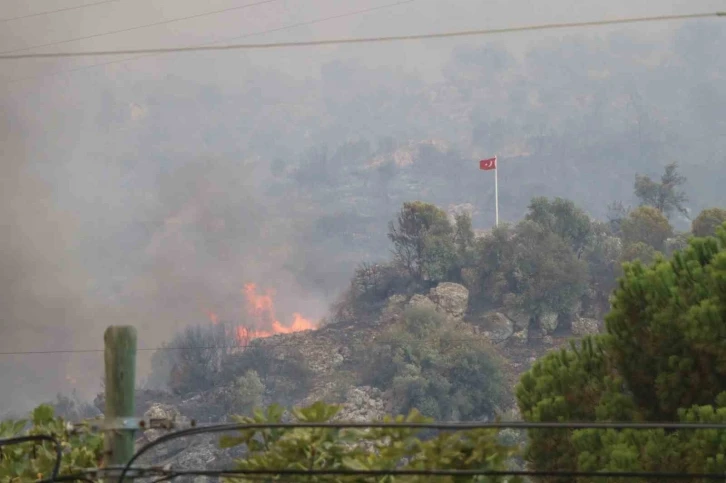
(214, 318)
(261, 308)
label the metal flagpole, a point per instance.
(496, 192)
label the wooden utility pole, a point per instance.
(120, 362)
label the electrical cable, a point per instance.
(130, 29)
(37, 438)
(50, 12)
(227, 39)
(74, 477)
(238, 346)
(219, 428)
(395, 38)
(454, 472)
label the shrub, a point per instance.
(284, 379)
(193, 360)
(33, 461)
(361, 449)
(370, 288)
(442, 369)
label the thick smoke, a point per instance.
(164, 263)
(42, 286)
(141, 192)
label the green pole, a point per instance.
(120, 362)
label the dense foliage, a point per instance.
(706, 223)
(31, 461)
(423, 241)
(661, 359)
(350, 449)
(553, 266)
(440, 368)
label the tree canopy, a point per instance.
(563, 218)
(422, 239)
(647, 225)
(662, 358)
(666, 195)
(706, 223)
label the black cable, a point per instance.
(130, 29)
(453, 472)
(176, 474)
(364, 40)
(244, 346)
(50, 12)
(220, 428)
(37, 438)
(77, 477)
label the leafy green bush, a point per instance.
(349, 449)
(440, 368)
(32, 461)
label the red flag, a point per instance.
(488, 164)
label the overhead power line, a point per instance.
(138, 27)
(51, 12)
(237, 37)
(240, 346)
(433, 473)
(221, 428)
(395, 38)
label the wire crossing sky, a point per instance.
(466, 33)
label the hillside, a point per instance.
(332, 354)
(446, 326)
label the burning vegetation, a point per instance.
(261, 317)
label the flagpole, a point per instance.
(496, 192)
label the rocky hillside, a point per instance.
(330, 355)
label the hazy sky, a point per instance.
(416, 16)
(45, 282)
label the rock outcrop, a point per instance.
(200, 451)
(519, 319)
(548, 322)
(363, 404)
(451, 299)
(495, 325)
(582, 327)
(421, 301)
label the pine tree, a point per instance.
(662, 358)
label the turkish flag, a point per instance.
(487, 164)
